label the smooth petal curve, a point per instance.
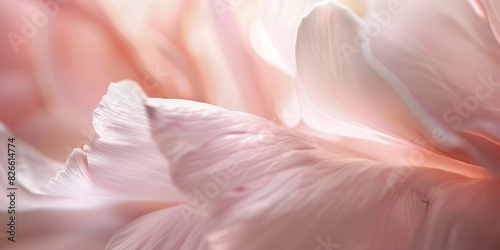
(445, 66)
(463, 216)
(490, 11)
(340, 93)
(273, 32)
(275, 29)
(125, 162)
(170, 228)
(212, 150)
(325, 205)
(290, 187)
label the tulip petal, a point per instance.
(125, 162)
(274, 32)
(33, 170)
(170, 228)
(337, 86)
(446, 65)
(401, 113)
(289, 191)
(490, 11)
(346, 204)
(212, 150)
(464, 216)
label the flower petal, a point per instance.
(212, 150)
(24, 160)
(69, 229)
(170, 228)
(464, 216)
(32, 170)
(264, 187)
(351, 204)
(490, 11)
(125, 162)
(445, 67)
(337, 86)
(274, 31)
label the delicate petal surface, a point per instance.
(445, 66)
(212, 150)
(339, 92)
(170, 228)
(125, 162)
(300, 194)
(32, 170)
(273, 31)
(489, 10)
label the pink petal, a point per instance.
(444, 65)
(239, 78)
(464, 216)
(490, 11)
(61, 64)
(125, 162)
(170, 228)
(60, 82)
(294, 192)
(353, 204)
(398, 153)
(33, 170)
(69, 229)
(337, 86)
(274, 31)
(212, 150)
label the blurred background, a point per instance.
(57, 58)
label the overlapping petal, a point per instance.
(490, 11)
(212, 150)
(29, 171)
(125, 162)
(273, 31)
(340, 93)
(445, 67)
(300, 194)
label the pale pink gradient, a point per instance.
(53, 79)
(248, 183)
(257, 125)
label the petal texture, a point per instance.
(212, 150)
(445, 66)
(490, 11)
(125, 162)
(170, 228)
(33, 170)
(339, 92)
(301, 193)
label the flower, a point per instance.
(60, 56)
(243, 182)
(386, 148)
